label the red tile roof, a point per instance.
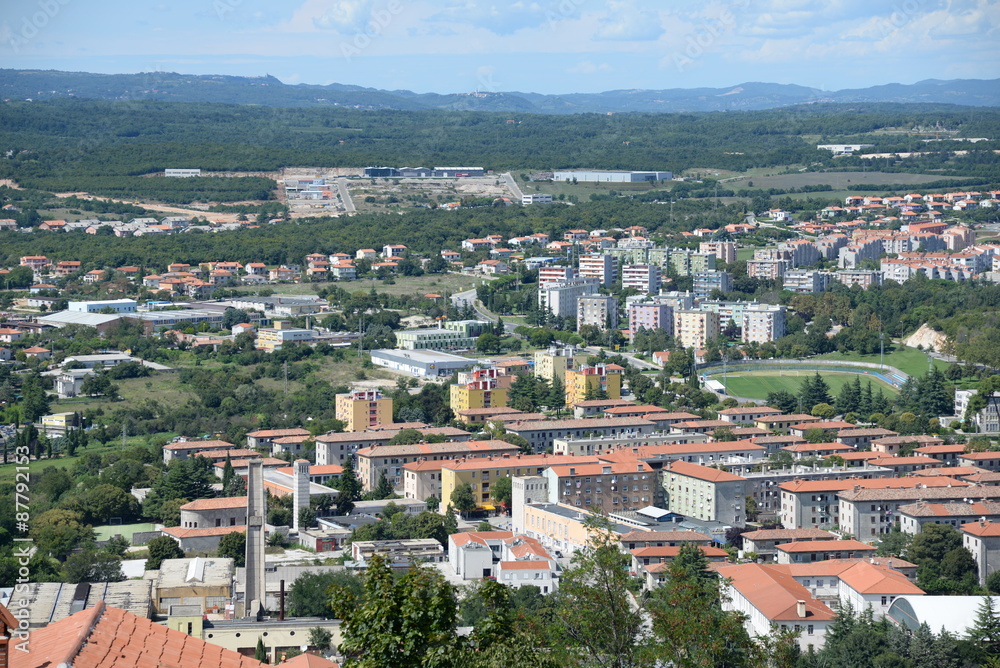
(216, 504)
(106, 637)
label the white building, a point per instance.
(646, 278)
(602, 267)
(763, 323)
(593, 176)
(116, 305)
(560, 298)
(537, 198)
(181, 173)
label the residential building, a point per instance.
(706, 282)
(587, 381)
(763, 541)
(611, 486)
(560, 298)
(763, 323)
(869, 513)
(554, 362)
(482, 392)
(988, 419)
(646, 278)
(602, 267)
(650, 315)
(372, 461)
(599, 311)
(770, 598)
(541, 434)
(914, 516)
(705, 493)
(692, 329)
(722, 250)
(480, 473)
(982, 539)
(808, 551)
(361, 410)
(555, 274)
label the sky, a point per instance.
(541, 46)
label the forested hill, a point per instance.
(269, 91)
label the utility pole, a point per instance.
(285, 367)
(881, 349)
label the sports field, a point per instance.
(757, 384)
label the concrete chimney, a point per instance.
(300, 488)
(256, 513)
(800, 608)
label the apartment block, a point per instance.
(804, 281)
(650, 315)
(600, 311)
(588, 380)
(722, 250)
(705, 493)
(554, 362)
(693, 328)
(479, 393)
(560, 298)
(646, 278)
(362, 410)
(602, 267)
(763, 322)
(548, 275)
(705, 282)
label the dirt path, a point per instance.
(220, 217)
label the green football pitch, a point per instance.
(757, 384)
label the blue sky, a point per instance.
(544, 46)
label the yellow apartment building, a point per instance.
(590, 379)
(362, 410)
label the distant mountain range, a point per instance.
(269, 91)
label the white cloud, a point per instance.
(626, 22)
(588, 67)
(346, 16)
(506, 18)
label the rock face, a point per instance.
(925, 337)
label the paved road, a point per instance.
(512, 184)
(345, 196)
(463, 298)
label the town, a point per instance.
(502, 445)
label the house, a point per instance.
(38, 353)
(982, 539)
(492, 267)
(763, 541)
(390, 251)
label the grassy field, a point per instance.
(757, 384)
(7, 471)
(908, 360)
(839, 180)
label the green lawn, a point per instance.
(908, 360)
(757, 385)
(7, 471)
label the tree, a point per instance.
(823, 411)
(307, 517)
(814, 391)
(93, 566)
(310, 594)
(594, 611)
(487, 343)
(320, 638)
(234, 546)
(433, 503)
(556, 399)
(57, 532)
(497, 640)
(985, 631)
(463, 499)
(384, 489)
(260, 652)
(895, 543)
(500, 491)
(406, 622)
(349, 488)
(161, 548)
(783, 400)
